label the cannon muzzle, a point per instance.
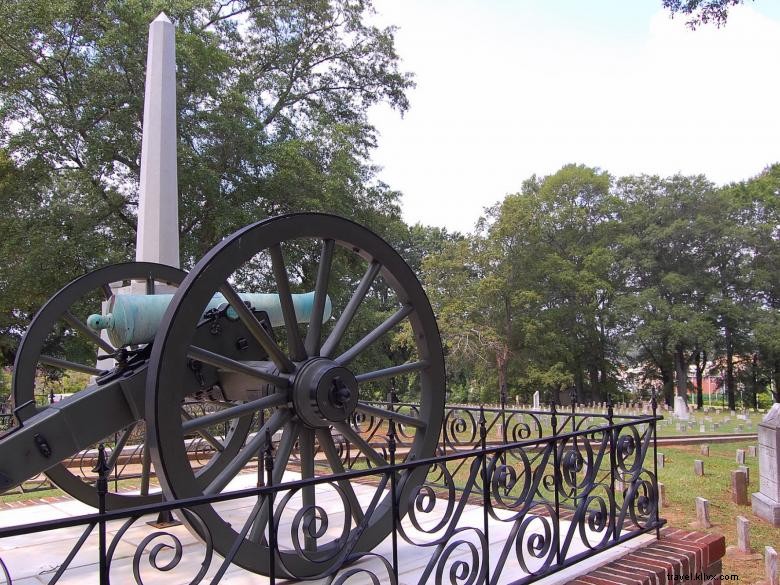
(134, 319)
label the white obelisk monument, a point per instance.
(158, 199)
(157, 238)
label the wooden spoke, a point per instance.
(202, 422)
(306, 444)
(226, 363)
(369, 339)
(77, 324)
(66, 365)
(361, 444)
(294, 341)
(207, 436)
(312, 343)
(282, 455)
(146, 467)
(330, 345)
(120, 444)
(393, 371)
(396, 416)
(253, 446)
(256, 329)
(331, 453)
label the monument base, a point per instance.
(681, 408)
(765, 508)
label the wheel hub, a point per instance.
(324, 392)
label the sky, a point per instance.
(511, 88)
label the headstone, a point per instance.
(536, 400)
(739, 487)
(770, 566)
(702, 428)
(660, 459)
(681, 408)
(743, 534)
(703, 512)
(662, 501)
(715, 426)
(746, 469)
(698, 467)
(705, 450)
(766, 502)
(751, 450)
(740, 456)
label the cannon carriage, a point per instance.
(244, 348)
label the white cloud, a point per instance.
(498, 99)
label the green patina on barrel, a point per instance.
(134, 319)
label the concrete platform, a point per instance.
(34, 559)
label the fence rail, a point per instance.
(510, 497)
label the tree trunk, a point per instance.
(668, 380)
(681, 375)
(730, 368)
(593, 374)
(754, 382)
(701, 361)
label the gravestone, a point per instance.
(536, 400)
(766, 502)
(662, 501)
(770, 566)
(698, 467)
(703, 512)
(739, 487)
(743, 534)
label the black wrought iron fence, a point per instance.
(482, 511)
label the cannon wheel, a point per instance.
(310, 390)
(60, 311)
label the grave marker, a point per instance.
(743, 534)
(703, 512)
(766, 502)
(770, 566)
(739, 487)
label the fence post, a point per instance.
(485, 490)
(269, 482)
(391, 446)
(102, 469)
(556, 476)
(573, 399)
(654, 430)
(613, 501)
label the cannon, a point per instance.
(231, 370)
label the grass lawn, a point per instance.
(683, 486)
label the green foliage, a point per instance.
(614, 284)
(702, 11)
(272, 103)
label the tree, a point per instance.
(272, 105)
(702, 11)
(668, 282)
